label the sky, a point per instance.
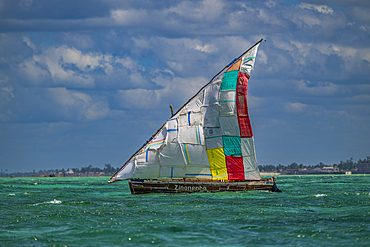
(89, 81)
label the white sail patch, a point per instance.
(157, 141)
(227, 108)
(214, 142)
(190, 118)
(249, 159)
(248, 60)
(228, 95)
(126, 172)
(146, 170)
(210, 115)
(195, 171)
(171, 155)
(172, 130)
(229, 126)
(247, 146)
(227, 103)
(191, 134)
(213, 138)
(250, 163)
(212, 132)
(195, 104)
(150, 156)
(194, 155)
(255, 175)
(211, 92)
(251, 167)
(172, 172)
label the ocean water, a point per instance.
(311, 211)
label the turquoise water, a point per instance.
(311, 211)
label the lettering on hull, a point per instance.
(190, 188)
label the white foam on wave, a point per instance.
(50, 202)
(319, 195)
(55, 202)
(11, 194)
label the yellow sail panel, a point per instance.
(216, 159)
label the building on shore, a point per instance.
(315, 171)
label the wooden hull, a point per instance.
(142, 186)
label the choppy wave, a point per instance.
(49, 202)
(319, 195)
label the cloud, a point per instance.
(295, 107)
(322, 88)
(75, 105)
(77, 40)
(361, 14)
(68, 66)
(139, 98)
(13, 50)
(173, 90)
(340, 2)
(64, 65)
(205, 10)
(29, 42)
(129, 17)
(320, 8)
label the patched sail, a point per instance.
(210, 137)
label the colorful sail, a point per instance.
(210, 137)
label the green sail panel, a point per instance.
(229, 80)
(232, 145)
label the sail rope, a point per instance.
(227, 66)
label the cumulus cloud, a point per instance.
(64, 65)
(139, 98)
(174, 90)
(129, 17)
(76, 105)
(28, 41)
(204, 10)
(322, 88)
(295, 107)
(320, 8)
(68, 66)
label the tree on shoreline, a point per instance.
(347, 165)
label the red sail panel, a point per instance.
(241, 94)
(235, 167)
(242, 106)
(234, 163)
